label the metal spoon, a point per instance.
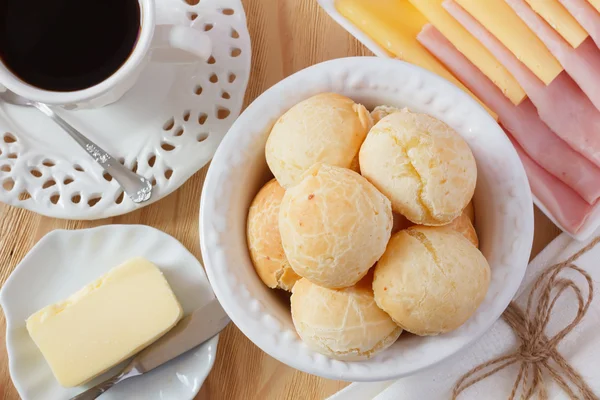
(138, 188)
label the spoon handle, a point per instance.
(138, 188)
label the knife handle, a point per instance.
(92, 393)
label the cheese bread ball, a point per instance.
(380, 112)
(334, 226)
(422, 165)
(462, 224)
(344, 324)
(430, 280)
(264, 241)
(470, 211)
(327, 128)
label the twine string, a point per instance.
(538, 353)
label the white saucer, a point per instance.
(167, 127)
(63, 262)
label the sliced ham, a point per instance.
(582, 63)
(522, 121)
(566, 207)
(562, 105)
(586, 15)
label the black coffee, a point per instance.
(67, 45)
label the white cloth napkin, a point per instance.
(580, 348)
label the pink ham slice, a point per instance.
(582, 63)
(567, 208)
(586, 15)
(561, 105)
(522, 121)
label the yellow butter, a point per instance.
(596, 4)
(105, 322)
(502, 22)
(559, 18)
(394, 25)
(471, 48)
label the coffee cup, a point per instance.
(88, 54)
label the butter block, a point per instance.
(394, 25)
(471, 48)
(557, 16)
(502, 22)
(105, 322)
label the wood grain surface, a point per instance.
(287, 35)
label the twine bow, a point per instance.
(537, 353)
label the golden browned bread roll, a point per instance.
(344, 324)
(470, 211)
(334, 226)
(422, 165)
(380, 112)
(327, 128)
(462, 224)
(264, 240)
(430, 280)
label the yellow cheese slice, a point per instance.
(471, 48)
(596, 4)
(559, 18)
(502, 22)
(394, 25)
(105, 323)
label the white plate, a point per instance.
(587, 229)
(329, 7)
(63, 262)
(503, 206)
(168, 127)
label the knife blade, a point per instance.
(191, 331)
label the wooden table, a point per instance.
(242, 370)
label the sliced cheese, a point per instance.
(394, 25)
(596, 4)
(471, 48)
(559, 18)
(106, 322)
(502, 22)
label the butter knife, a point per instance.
(191, 331)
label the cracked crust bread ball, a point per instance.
(422, 165)
(430, 280)
(470, 211)
(380, 112)
(264, 241)
(344, 324)
(334, 226)
(462, 224)
(327, 128)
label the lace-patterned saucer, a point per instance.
(166, 128)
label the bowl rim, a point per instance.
(231, 145)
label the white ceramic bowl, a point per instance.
(503, 205)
